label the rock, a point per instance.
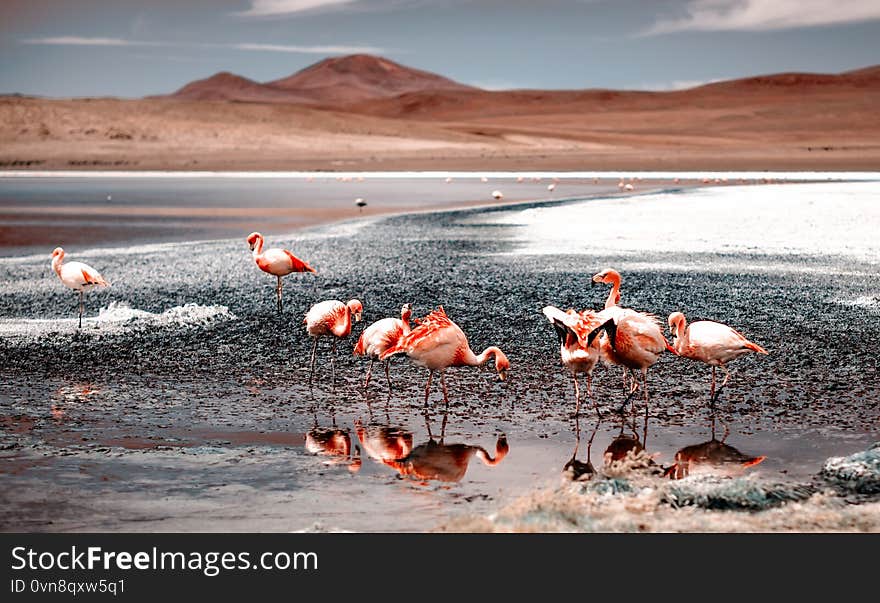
(859, 472)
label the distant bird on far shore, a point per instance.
(551, 187)
(77, 276)
(497, 195)
(277, 262)
(360, 203)
(710, 342)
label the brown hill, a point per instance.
(232, 87)
(359, 77)
(332, 82)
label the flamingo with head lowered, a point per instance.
(380, 336)
(437, 343)
(573, 328)
(77, 276)
(711, 342)
(334, 319)
(275, 261)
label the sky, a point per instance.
(133, 48)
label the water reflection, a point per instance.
(73, 393)
(334, 443)
(436, 460)
(581, 470)
(713, 455)
(384, 443)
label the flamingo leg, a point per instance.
(577, 396)
(369, 373)
(312, 361)
(645, 381)
(333, 362)
(428, 387)
(278, 293)
(712, 388)
(723, 382)
(80, 310)
(387, 374)
(445, 392)
(590, 395)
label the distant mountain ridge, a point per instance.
(372, 85)
(333, 81)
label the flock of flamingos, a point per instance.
(618, 336)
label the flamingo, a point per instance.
(279, 262)
(77, 276)
(380, 336)
(361, 204)
(572, 327)
(711, 342)
(633, 339)
(333, 318)
(497, 195)
(438, 343)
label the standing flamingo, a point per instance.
(333, 318)
(711, 342)
(572, 327)
(633, 339)
(380, 336)
(612, 277)
(279, 262)
(77, 276)
(438, 343)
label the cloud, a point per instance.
(310, 49)
(247, 46)
(764, 15)
(266, 8)
(77, 41)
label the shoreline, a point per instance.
(428, 174)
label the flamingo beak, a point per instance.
(502, 374)
(358, 316)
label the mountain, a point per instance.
(360, 77)
(332, 82)
(228, 86)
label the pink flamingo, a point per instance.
(710, 342)
(438, 343)
(333, 318)
(380, 336)
(633, 339)
(572, 328)
(77, 276)
(278, 262)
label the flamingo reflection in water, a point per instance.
(714, 456)
(334, 443)
(574, 469)
(384, 443)
(438, 461)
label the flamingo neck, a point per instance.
(258, 247)
(57, 262)
(614, 294)
(404, 318)
(682, 339)
(472, 359)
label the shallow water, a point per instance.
(163, 416)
